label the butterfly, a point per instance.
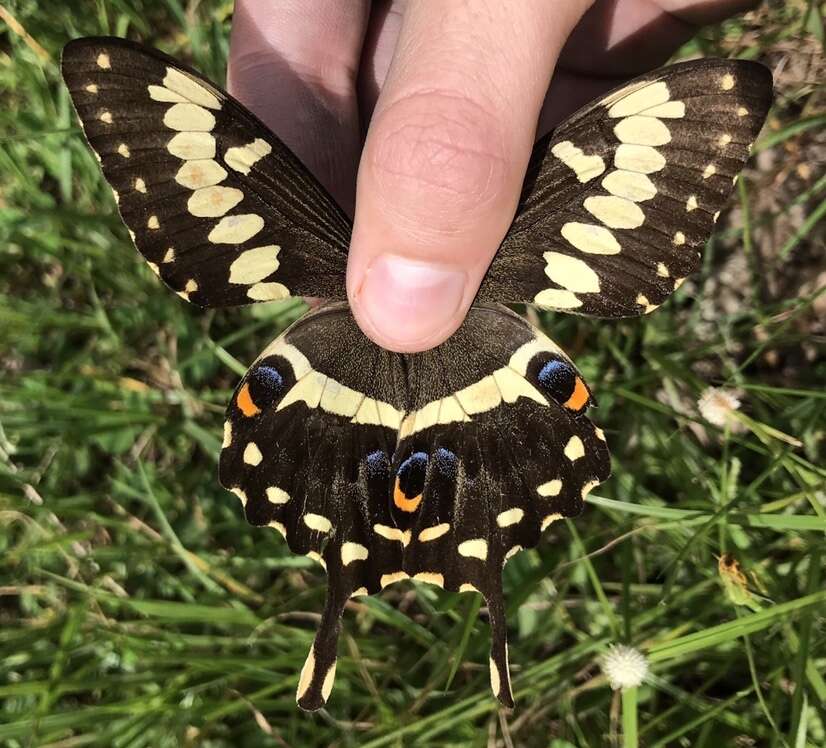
(436, 466)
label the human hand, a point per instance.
(449, 95)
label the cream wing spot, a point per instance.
(551, 488)
(252, 454)
(549, 520)
(170, 255)
(92, 88)
(641, 158)
(254, 265)
(662, 270)
(189, 118)
(585, 167)
(351, 552)
(268, 292)
(103, 61)
(724, 140)
(574, 449)
(236, 229)
(190, 287)
(190, 89)
(192, 145)
(467, 587)
(648, 307)
(105, 116)
(727, 82)
(615, 212)
(212, 202)
(392, 533)
(510, 517)
(590, 238)
(318, 522)
(556, 298)
(276, 495)
(152, 223)
(629, 184)
(388, 579)
(588, 487)
(642, 131)
(691, 203)
(742, 111)
(195, 174)
(242, 497)
(306, 676)
(640, 97)
(495, 680)
(709, 171)
(669, 110)
(327, 683)
(227, 435)
(123, 150)
(571, 273)
(432, 533)
(475, 548)
(140, 185)
(163, 94)
(679, 238)
(243, 158)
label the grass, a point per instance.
(138, 608)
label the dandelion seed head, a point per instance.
(625, 667)
(717, 404)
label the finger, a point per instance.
(444, 160)
(617, 39)
(295, 65)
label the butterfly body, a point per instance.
(436, 466)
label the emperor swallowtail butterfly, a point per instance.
(436, 466)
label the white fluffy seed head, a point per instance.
(624, 666)
(717, 404)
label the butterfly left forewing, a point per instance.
(619, 201)
(221, 210)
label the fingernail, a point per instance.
(408, 302)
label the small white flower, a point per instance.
(716, 405)
(625, 667)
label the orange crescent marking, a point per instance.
(402, 502)
(245, 403)
(579, 397)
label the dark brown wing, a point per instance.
(619, 201)
(436, 466)
(219, 207)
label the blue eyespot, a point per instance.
(558, 379)
(411, 474)
(377, 464)
(269, 377)
(445, 462)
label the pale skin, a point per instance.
(419, 117)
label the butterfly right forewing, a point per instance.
(619, 200)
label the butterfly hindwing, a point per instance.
(619, 200)
(435, 466)
(221, 210)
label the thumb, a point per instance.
(444, 159)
